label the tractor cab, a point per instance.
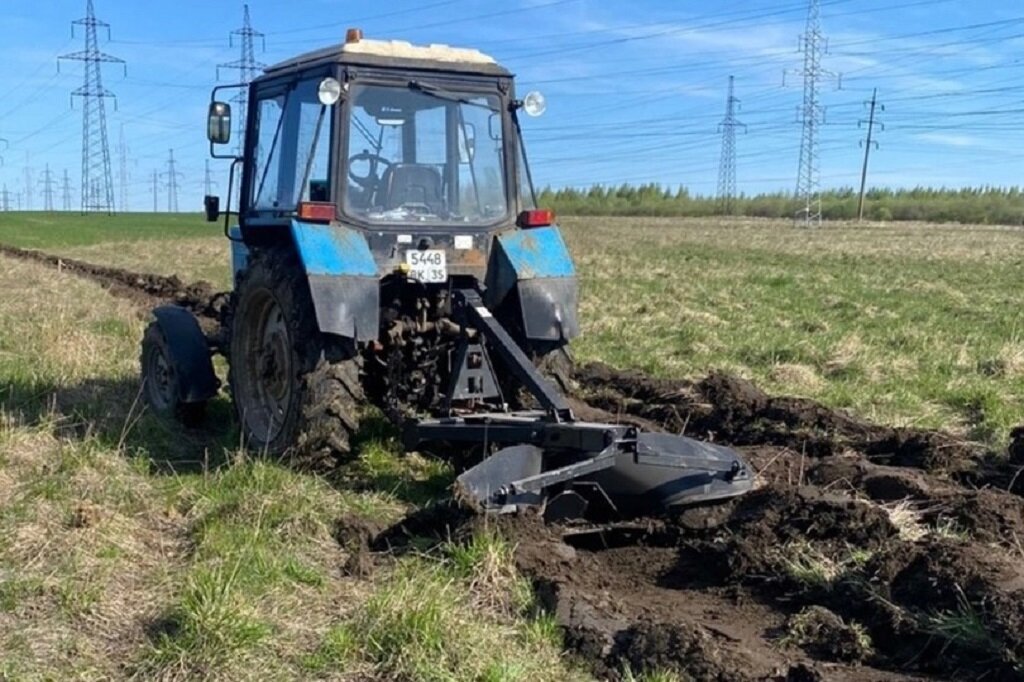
(385, 137)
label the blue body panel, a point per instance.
(536, 253)
(536, 263)
(239, 252)
(333, 250)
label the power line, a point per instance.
(97, 182)
(727, 164)
(873, 104)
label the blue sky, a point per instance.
(635, 88)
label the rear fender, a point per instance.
(190, 353)
(536, 264)
(343, 278)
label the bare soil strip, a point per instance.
(867, 553)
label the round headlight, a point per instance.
(534, 104)
(329, 91)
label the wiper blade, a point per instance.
(447, 95)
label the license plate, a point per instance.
(427, 265)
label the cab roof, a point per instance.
(396, 54)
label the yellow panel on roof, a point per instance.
(401, 49)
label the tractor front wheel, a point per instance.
(161, 380)
(294, 391)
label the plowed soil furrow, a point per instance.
(142, 288)
(867, 552)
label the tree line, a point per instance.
(974, 205)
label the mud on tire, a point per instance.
(296, 391)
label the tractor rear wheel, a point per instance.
(295, 390)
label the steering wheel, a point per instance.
(372, 179)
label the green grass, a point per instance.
(39, 230)
(905, 325)
(132, 547)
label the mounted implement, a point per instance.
(389, 251)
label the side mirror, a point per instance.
(211, 205)
(218, 123)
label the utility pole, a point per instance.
(156, 190)
(208, 181)
(97, 181)
(873, 104)
(172, 175)
(65, 191)
(29, 183)
(811, 114)
(122, 150)
(727, 164)
(48, 184)
(248, 68)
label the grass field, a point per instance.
(129, 548)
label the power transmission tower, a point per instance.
(813, 45)
(871, 123)
(29, 183)
(156, 190)
(208, 182)
(122, 153)
(48, 183)
(6, 145)
(97, 181)
(17, 198)
(172, 176)
(65, 191)
(5, 199)
(248, 68)
(727, 164)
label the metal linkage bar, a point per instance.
(470, 307)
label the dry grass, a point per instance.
(201, 258)
(132, 549)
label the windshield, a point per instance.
(425, 154)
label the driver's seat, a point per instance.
(412, 183)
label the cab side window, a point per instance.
(292, 158)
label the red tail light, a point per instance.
(317, 211)
(537, 217)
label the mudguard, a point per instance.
(343, 278)
(537, 265)
(190, 354)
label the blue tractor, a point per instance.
(388, 251)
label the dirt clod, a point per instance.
(825, 635)
(355, 535)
